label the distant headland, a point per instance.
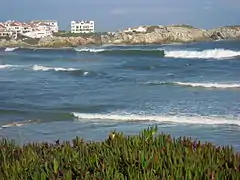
(131, 36)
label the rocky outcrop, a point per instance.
(139, 35)
(67, 41)
(157, 35)
(11, 43)
(53, 42)
(227, 32)
(171, 34)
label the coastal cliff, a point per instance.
(138, 35)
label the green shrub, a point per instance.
(146, 156)
(184, 25)
(151, 29)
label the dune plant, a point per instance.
(148, 155)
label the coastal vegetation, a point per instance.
(184, 26)
(151, 29)
(149, 155)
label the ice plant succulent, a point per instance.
(149, 155)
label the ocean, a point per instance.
(185, 89)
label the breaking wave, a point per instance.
(203, 85)
(157, 52)
(47, 68)
(158, 118)
(16, 124)
(35, 67)
(124, 52)
(9, 49)
(5, 66)
(205, 54)
(89, 50)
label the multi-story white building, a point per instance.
(38, 34)
(3, 31)
(33, 29)
(82, 27)
(46, 25)
(14, 26)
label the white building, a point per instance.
(14, 26)
(27, 28)
(33, 29)
(38, 34)
(47, 25)
(3, 31)
(139, 29)
(82, 27)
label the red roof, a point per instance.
(26, 25)
(16, 24)
(2, 26)
(13, 24)
(43, 24)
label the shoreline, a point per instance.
(149, 35)
(109, 45)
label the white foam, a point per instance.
(12, 125)
(85, 73)
(159, 118)
(9, 49)
(46, 68)
(203, 85)
(5, 66)
(209, 85)
(89, 50)
(16, 124)
(205, 54)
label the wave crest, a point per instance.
(5, 66)
(173, 119)
(9, 49)
(89, 50)
(203, 85)
(209, 85)
(134, 52)
(16, 124)
(46, 68)
(70, 70)
(205, 54)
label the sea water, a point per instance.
(186, 90)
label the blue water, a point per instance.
(193, 90)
